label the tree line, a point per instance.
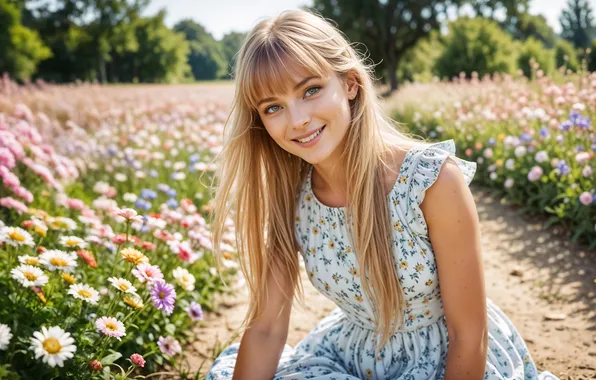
(110, 41)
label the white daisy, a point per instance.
(123, 285)
(110, 326)
(29, 275)
(16, 236)
(184, 278)
(53, 345)
(73, 242)
(54, 259)
(84, 292)
(29, 260)
(5, 336)
(62, 223)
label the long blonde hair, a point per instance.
(259, 181)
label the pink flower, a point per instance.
(110, 326)
(169, 346)
(145, 272)
(75, 204)
(587, 171)
(6, 158)
(23, 193)
(9, 202)
(585, 198)
(137, 360)
(535, 174)
(9, 178)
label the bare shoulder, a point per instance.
(449, 196)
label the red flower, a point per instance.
(148, 246)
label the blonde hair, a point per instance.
(259, 181)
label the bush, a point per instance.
(478, 45)
(565, 55)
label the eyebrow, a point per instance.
(297, 86)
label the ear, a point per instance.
(352, 85)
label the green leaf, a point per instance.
(111, 358)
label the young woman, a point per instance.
(386, 225)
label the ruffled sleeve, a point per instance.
(425, 165)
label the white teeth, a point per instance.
(309, 138)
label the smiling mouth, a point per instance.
(311, 136)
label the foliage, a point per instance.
(21, 48)
(534, 53)
(476, 45)
(566, 55)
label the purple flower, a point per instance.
(544, 132)
(163, 296)
(195, 311)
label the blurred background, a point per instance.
(175, 41)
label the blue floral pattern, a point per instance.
(342, 345)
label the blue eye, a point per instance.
(268, 108)
(310, 93)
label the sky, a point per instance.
(223, 16)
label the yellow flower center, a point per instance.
(111, 326)
(162, 295)
(15, 235)
(123, 286)
(32, 261)
(52, 345)
(68, 278)
(30, 276)
(72, 242)
(58, 262)
(84, 293)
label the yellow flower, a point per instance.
(133, 301)
(315, 230)
(410, 243)
(419, 267)
(403, 264)
(398, 227)
(133, 256)
(331, 244)
(359, 298)
(42, 297)
(501, 137)
(429, 283)
(69, 278)
(369, 373)
(499, 163)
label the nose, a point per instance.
(299, 117)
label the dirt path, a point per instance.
(532, 274)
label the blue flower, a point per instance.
(171, 193)
(163, 187)
(148, 194)
(579, 148)
(525, 137)
(112, 150)
(492, 141)
(172, 203)
(566, 125)
(544, 132)
(194, 158)
(153, 173)
(563, 167)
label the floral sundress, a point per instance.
(342, 345)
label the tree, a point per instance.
(577, 23)
(476, 44)
(388, 28)
(207, 59)
(418, 64)
(535, 26)
(21, 49)
(231, 44)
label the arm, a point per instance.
(262, 343)
(454, 231)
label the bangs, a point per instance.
(269, 71)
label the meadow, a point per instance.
(106, 260)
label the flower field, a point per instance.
(105, 252)
(534, 141)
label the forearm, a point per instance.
(258, 355)
(466, 361)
